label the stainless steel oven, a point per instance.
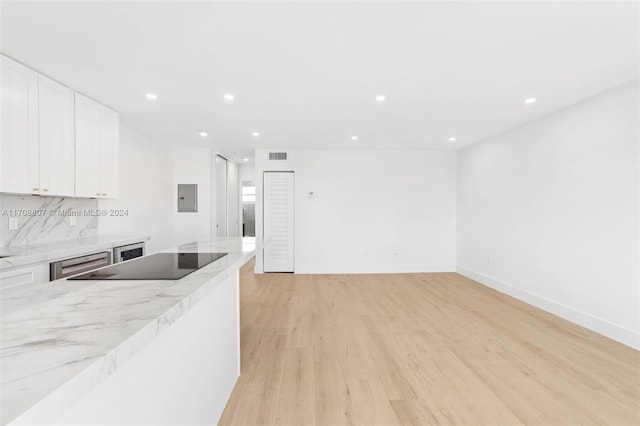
(77, 265)
(130, 251)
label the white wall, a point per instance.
(197, 165)
(146, 170)
(246, 172)
(374, 211)
(549, 213)
(193, 165)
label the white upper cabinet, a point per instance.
(37, 133)
(109, 153)
(87, 147)
(51, 143)
(19, 151)
(97, 142)
(55, 107)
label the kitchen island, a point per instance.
(125, 352)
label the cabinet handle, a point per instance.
(104, 194)
(45, 190)
(97, 193)
(36, 189)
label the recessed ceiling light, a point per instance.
(245, 159)
(229, 96)
(203, 133)
(530, 100)
(354, 138)
(452, 139)
(255, 134)
(381, 98)
(151, 96)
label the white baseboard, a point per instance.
(368, 269)
(373, 269)
(599, 325)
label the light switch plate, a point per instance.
(13, 224)
(72, 220)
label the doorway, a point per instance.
(248, 208)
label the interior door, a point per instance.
(233, 201)
(278, 221)
(220, 196)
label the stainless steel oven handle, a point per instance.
(84, 259)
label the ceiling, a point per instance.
(305, 74)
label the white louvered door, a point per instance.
(278, 221)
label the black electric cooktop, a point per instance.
(159, 266)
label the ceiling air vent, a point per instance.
(282, 156)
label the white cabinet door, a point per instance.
(233, 200)
(20, 276)
(109, 153)
(278, 221)
(55, 110)
(97, 149)
(87, 114)
(19, 154)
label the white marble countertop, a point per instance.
(61, 339)
(48, 252)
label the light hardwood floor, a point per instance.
(419, 349)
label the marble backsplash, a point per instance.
(45, 219)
